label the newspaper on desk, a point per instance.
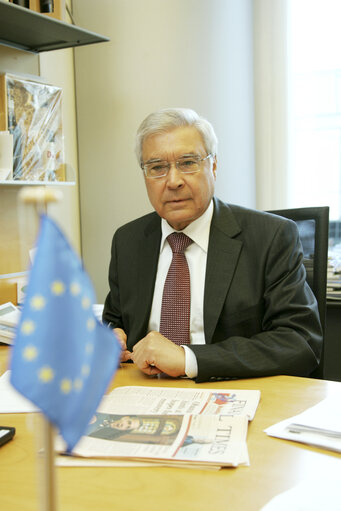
(171, 426)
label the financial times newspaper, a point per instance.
(172, 425)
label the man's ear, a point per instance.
(214, 167)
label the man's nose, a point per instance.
(175, 178)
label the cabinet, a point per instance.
(22, 29)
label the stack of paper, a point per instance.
(11, 401)
(98, 310)
(319, 426)
(171, 426)
(334, 273)
(9, 318)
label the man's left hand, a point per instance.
(156, 354)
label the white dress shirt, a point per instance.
(196, 255)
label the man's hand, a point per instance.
(122, 339)
(156, 354)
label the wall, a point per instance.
(193, 53)
(57, 67)
(271, 103)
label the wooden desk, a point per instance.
(276, 465)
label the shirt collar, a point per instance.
(198, 230)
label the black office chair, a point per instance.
(313, 227)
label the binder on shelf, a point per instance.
(53, 8)
(31, 111)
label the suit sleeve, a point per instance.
(289, 338)
(112, 311)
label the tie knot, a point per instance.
(178, 241)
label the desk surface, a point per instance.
(275, 465)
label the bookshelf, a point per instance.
(24, 35)
(27, 30)
(36, 183)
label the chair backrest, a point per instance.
(313, 227)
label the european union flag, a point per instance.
(63, 358)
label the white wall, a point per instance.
(57, 67)
(192, 53)
(271, 103)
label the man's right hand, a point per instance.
(122, 339)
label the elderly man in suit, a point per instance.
(251, 310)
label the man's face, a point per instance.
(179, 198)
(125, 423)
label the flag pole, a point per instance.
(49, 502)
(39, 198)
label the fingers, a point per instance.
(122, 339)
(125, 355)
(156, 354)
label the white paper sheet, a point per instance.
(10, 400)
(72, 461)
(319, 425)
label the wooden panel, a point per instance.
(3, 104)
(8, 291)
(18, 229)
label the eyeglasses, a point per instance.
(186, 165)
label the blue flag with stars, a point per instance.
(63, 358)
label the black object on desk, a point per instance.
(6, 434)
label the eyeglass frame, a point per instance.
(176, 162)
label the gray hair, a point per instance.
(167, 119)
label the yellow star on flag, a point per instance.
(90, 324)
(75, 288)
(27, 327)
(86, 370)
(30, 353)
(86, 302)
(46, 374)
(57, 287)
(66, 386)
(89, 348)
(78, 384)
(37, 302)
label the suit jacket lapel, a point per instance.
(222, 259)
(148, 257)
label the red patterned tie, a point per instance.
(176, 299)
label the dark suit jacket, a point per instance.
(260, 316)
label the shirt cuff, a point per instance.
(191, 364)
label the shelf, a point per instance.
(18, 182)
(13, 275)
(28, 30)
